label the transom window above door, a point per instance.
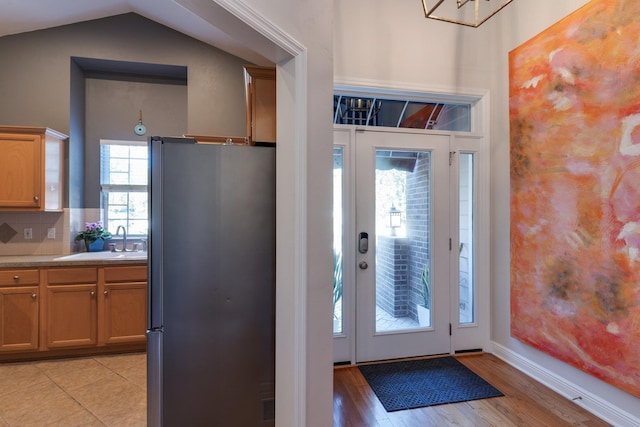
(367, 110)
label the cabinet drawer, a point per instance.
(134, 273)
(19, 277)
(72, 275)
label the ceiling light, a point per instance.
(471, 13)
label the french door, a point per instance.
(403, 236)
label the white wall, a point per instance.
(304, 380)
(391, 44)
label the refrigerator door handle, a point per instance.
(154, 377)
(154, 286)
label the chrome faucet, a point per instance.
(124, 237)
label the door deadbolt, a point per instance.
(363, 265)
(363, 243)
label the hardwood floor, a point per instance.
(525, 402)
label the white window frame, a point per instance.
(106, 188)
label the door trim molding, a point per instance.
(414, 92)
(481, 101)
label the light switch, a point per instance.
(28, 233)
(51, 233)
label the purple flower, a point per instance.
(92, 232)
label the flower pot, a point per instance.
(95, 246)
(424, 315)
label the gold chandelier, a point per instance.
(471, 13)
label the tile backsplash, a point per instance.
(51, 233)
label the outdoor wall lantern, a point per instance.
(470, 13)
(394, 219)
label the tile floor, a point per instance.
(88, 391)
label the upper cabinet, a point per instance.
(260, 84)
(31, 165)
(217, 139)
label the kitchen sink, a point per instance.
(105, 255)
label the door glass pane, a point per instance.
(465, 249)
(338, 226)
(403, 245)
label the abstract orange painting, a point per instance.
(575, 191)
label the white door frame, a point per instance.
(464, 337)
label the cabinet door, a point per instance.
(125, 312)
(19, 318)
(71, 315)
(20, 170)
(53, 180)
(261, 104)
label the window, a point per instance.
(124, 175)
(338, 238)
(366, 110)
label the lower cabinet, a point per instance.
(125, 304)
(72, 310)
(72, 307)
(19, 311)
(19, 314)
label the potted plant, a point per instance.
(424, 307)
(93, 236)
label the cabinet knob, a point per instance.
(34, 296)
(92, 293)
(106, 292)
(16, 278)
(36, 198)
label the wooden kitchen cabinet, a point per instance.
(125, 304)
(72, 307)
(31, 167)
(19, 310)
(57, 311)
(260, 89)
(217, 139)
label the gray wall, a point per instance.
(40, 86)
(112, 110)
(74, 155)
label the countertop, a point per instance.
(82, 258)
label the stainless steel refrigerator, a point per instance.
(211, 285)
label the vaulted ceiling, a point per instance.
(18, 16)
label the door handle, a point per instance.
(363, 242)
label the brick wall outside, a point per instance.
(418, 226)
(392, 293)
(401, 260)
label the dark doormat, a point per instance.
(426, 382)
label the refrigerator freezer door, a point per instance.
(217, 263)
(157, 217)
(154, 378)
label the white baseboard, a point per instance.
(600, 408)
